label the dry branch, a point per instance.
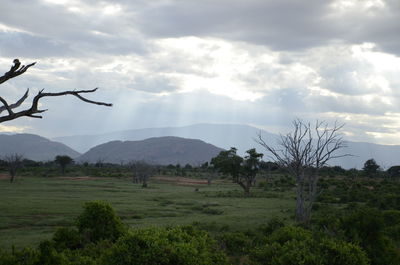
(17, 70)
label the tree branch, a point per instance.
(34, 107)
(16, 104)
(16, 70)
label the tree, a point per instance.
(371, 167)
(63, 161)
(394, 171)
(243, 171)
(16, 70)
(303, 152)
(14, 162)
(99, 221)
(142, 171)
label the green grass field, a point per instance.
(32, 208)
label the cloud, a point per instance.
(281, 25)
(166, 63)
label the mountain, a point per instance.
(221, 135)
(33, 147)
(160, 150)
(241, 137)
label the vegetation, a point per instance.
(355, 219)
(242, 171)
(63, 161)
(303, 152)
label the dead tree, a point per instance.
(33, 111)
(14, 162)
(303, 152)
(142, 171)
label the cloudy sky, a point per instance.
(173, 63)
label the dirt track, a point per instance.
(4, 176)
(181, 180)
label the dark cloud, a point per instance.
(18, 44)
(53, 30)
(279, 24)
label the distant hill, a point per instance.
(221, 135)
(33, 147)
(239, 136)
(160, 150)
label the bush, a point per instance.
(365, 227)
(293, 245)
(67, 238)
(26, 256)
(99, 221)
(235, 243)
(165, 246)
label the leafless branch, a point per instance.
(32, 112)
(303, 152)
(15, 70)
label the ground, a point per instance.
(33, 207)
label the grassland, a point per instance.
(33, 207)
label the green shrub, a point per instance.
(99, 221)
(365, 227)
(235, 243)
(26, 256)
(294, 246)
(164, 246)
(67, 238)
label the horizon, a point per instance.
(172, 127)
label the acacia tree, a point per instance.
(243, 171)
(33, 111)
(14, 162)
(371, 167)
(303, 152)
(63, 161)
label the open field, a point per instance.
(33, 207)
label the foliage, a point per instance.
(293, 245)
(243, 171)
(63, 161)
(99, 221)
(394, 172)
(370, 167)
(165, 246)
(235, 243)
(365, 227)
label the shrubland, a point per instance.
(355, 220)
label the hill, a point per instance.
(33, 147)
(160, 150)
(239, 136)
(222, 135)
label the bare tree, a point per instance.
(142, 171)
(14, 162)
(303, 152)
(18, 69)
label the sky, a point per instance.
(175, 63)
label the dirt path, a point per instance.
(4, 176)
(181, 180)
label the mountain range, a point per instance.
(113, 147)
(239, 136)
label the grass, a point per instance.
(34, 207)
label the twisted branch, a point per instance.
(17, 70)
